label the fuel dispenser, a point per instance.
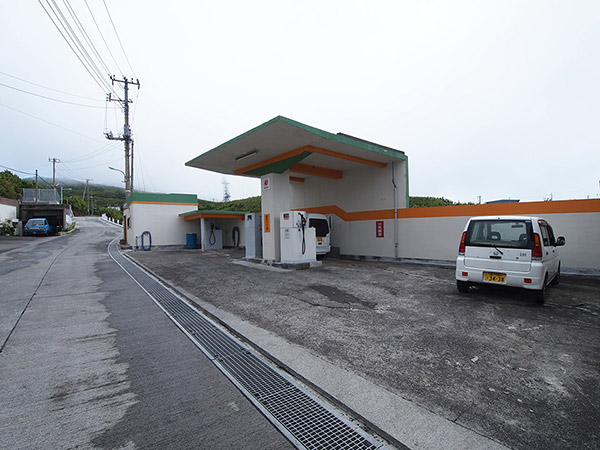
(214, 236)
(298, 241)
(253, 225)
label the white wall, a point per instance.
(7, 212)
(276, 199)
(226, 226)
(362, 190)
(163, 223)
(437, 238)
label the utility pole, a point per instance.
(126, 131)
(87, 188)
(53, 161)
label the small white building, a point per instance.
(217, 229)
(8, 209)
(155, 218)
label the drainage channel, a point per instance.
(305, 419)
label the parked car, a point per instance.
(511, 251)
(38, 226)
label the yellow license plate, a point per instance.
(494, 277)
(319, 239)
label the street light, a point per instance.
(118, 170)
(61, 193)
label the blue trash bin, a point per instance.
(190, 241)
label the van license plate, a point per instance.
(494, 277)
(319, 239)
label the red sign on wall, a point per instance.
(379, 228)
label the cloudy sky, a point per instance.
(498, 99)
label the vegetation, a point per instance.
(253, 204)
(6, 228)
(426, 202)
(250, 204)
(78, 206)
(100, 195)
(11, 186)
(115, 214)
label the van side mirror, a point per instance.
(560, 241)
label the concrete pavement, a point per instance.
(89, 361)
(399, 345)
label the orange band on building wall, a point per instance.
(489, 209)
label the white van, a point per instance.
(509, 250)
(321, 225)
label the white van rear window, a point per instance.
(500, 233)
(321, 226)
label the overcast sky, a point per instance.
(498, 99)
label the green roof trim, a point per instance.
(211, 211)
(341, 138)
(278, 166)
(147, 197)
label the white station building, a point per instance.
(359, 185)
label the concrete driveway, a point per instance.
(491, 368)
(88, 361)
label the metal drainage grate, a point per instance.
(302, 417)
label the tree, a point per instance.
(11, 186)
(78, 205)
(425, 202)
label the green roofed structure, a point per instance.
(308, 169)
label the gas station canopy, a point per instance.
(283, 144)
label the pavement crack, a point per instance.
(29, 301)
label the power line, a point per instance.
(15, 170)
(102, 36)
(94, 77)
(85, 35)
(69, 172)
(93, 154)
(118, 38)
(75, 39)
(50, 123)
(49, 98)
(98, 165)
(49, 88)
(75, 43)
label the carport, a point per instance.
(218, 229)
(359, 184)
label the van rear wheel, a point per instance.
(463, 286)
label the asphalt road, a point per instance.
(89, 361)
(400, 345)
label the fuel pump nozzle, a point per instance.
(303, 227)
